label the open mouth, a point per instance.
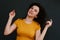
(30, 12)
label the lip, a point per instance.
(30, 12)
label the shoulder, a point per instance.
(36, 23)
(18, 20)
(38, 27)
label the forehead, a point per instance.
(35, 7)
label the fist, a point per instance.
(49, 23)
(12, 14)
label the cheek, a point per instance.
(29, 10)
(36, 13)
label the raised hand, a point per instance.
(49, 23)
(12, 14)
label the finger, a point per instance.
(51, 20)
(47, 22)
(12, 13)
(13, 9)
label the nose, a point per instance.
(32, 10)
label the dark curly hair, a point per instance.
(42, 16)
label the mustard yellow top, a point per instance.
(26, 31)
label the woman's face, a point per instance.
(33, 11)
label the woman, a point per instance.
(29, 28)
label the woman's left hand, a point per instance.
(49, 23)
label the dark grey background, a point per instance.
(52, 7)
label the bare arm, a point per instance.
(42, 35)
(10, 28)
(38, 33)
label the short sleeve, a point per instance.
(16, 22)
(38, 27)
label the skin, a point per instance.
(32, 13)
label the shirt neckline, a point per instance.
(27, 23)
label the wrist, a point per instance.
(47, 27)
(10, 18)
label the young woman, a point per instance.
(29, 27)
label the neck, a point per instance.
(29, 19)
